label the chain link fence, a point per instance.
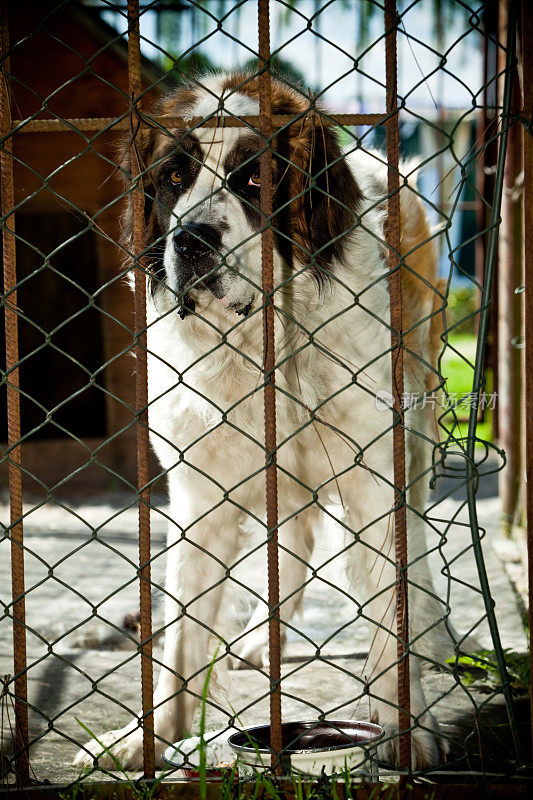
(310, 234)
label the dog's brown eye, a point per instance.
(175, 178)
(255, 180)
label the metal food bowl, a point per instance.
(332, 746)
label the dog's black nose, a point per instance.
(194, 241)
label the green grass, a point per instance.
(459, 374)
(481, 668)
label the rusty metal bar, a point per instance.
(395, 282)
(97, 124)
(22, 764)
(508, 305)
(143, 470)
(527, 100)
(269, 361)
(247, 790)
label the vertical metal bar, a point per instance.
(22, 764)
(507, 278)
(267, 254)
(143, 472)
(395, 282)
(486, 170)
(527, 89)
(440, 46)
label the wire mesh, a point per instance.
(277, 254)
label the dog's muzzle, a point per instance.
(196, 243)
(197, 249)
(196, 246)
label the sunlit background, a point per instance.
(335, 50)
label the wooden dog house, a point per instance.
(77, 372)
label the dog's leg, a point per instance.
(381, 676)
(372, 573)
(196, 567)
(295, 539)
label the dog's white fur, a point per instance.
(206, 418)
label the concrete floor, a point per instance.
(65, 564)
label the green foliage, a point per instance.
(279, 67)
(480, 667)
(462, 310)
(197, 63)
(193, 64)
(458, 371)
(202, 746)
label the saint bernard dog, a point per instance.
(333, 362)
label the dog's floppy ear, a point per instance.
(144, 143)
(326, 196)
(145, 154)
(332, 197)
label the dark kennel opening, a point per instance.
(60, 334)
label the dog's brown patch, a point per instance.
(317, 193)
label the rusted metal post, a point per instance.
(22, 764)
(508, 278)
(269, 361)
(400, 509)
(143, 472)
(527, 112)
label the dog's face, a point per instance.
(207, 206)
(203, 196)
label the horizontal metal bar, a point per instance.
(187, 790)
(95, 124)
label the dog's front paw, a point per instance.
(251, 651)
(428, 748)
(115, 750)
